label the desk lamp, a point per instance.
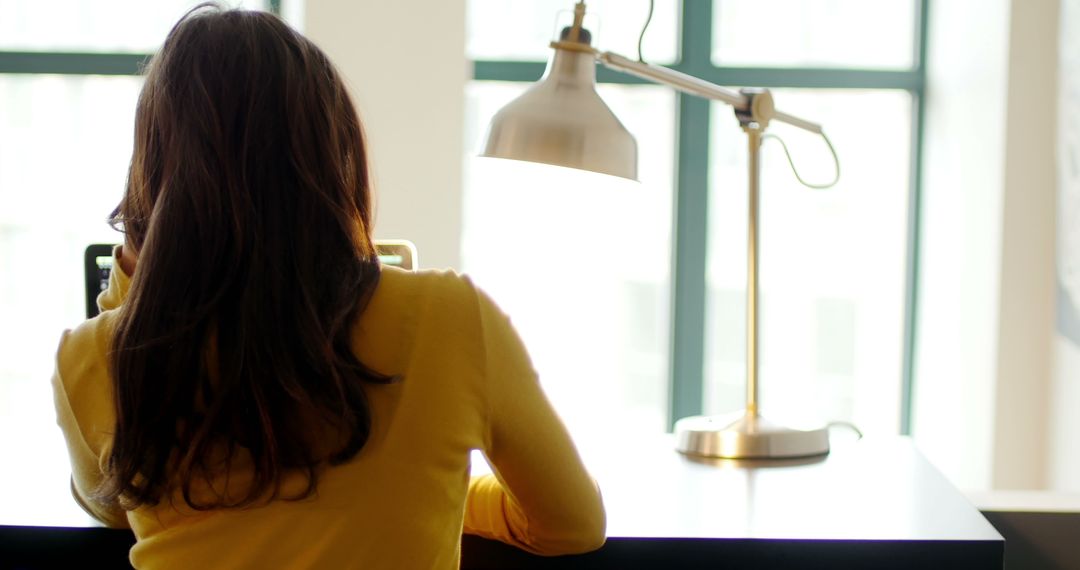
(562, 121)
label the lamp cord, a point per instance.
(849, 425)
(836, 162)
(787, 153)
(641, 37)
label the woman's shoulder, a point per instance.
(423, 276)
(438, 285)
(442, 300)
(419, 316)
(447, 300)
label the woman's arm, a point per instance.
(75, 357)
(541, 498)
(84, 442)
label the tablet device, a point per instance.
(98, 263)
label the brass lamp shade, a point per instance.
(562, 121)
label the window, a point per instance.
(656, 333)
(832, 316)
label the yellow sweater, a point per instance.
(405, 499)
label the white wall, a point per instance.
(1025, 331)
(983, 370)
(405, 64)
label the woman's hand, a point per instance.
(128, 259)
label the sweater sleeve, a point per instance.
(86, 472)
(540, 497)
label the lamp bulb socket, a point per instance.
(584, 35)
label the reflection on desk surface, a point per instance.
(872, 489)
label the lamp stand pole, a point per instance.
(747, 435)
(753, 135)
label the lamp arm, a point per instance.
(694, 86)
(676, 79)
(802, 124)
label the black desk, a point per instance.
(869, 504)
(872, 504)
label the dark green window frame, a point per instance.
(690, 224)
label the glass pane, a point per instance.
(814, 33)
(521, 31)
(832, 262)
(580, 262)
(135, 26)
(65, 143)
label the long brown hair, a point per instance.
(248, 202)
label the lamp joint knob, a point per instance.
(759, 109)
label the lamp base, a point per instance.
(748, 436)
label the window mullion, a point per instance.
(691, 222)
(64, 63)
(911, 285)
